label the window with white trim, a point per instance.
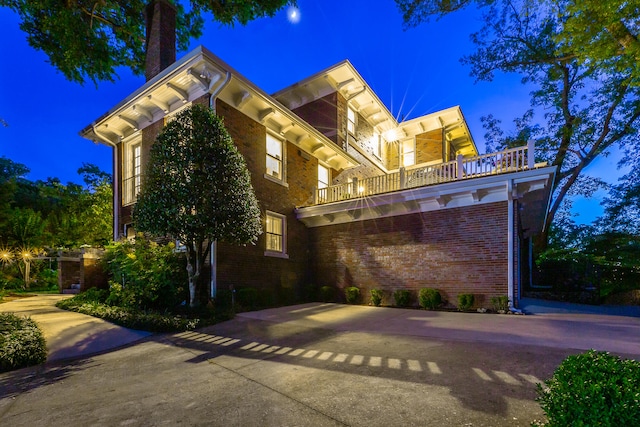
(132, 172)
(274, 158)
(323, 176)
(408, 152)
(376, 142)
(351, 120)
(275, 234)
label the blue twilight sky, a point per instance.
(414, 72)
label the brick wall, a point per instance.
(460, 250)
(248, 266)
(323, 115)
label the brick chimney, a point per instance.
(161, 37)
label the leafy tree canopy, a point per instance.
(197, 189)
(586, 85)
(90, 39)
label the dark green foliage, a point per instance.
(593, 389)
(376, 297)
(92, 40)
(402, 297)
(247, 298)
(465, 301)
(429, 298)
(21, 342)
(266, 297)
(197, 189)
(144, 275)
(351, 294)
(500, 303)
(328, 294)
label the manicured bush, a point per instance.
(352, 294)
(21, 342)
(592, 389)
(327, 294)
(247, 298)
(429, 298)
(402, 297)
(500, 303)
(465, 301)
(145, 275)
(376, 297)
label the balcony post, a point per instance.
(403, 178)
(459, 167)
(355, 186)
(315, 195)
(530, 154)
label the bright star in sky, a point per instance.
(293, 14)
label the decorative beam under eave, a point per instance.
(142, 112)
(158, 103)
(183, 95)
(265, 114)
(240, 99)
(130, 122)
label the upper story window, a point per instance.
(274, 158)
(323, 177)
(131, 172)
(376, 142)
(351, 120)
(276, 234)
(408, 152)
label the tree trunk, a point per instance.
(193, 271)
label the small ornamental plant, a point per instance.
(352, 294)
(500, 304)
(465, 301)
(376, 297)
(592, 389)
(429, 298)
(402, 297)
(22, 343)
(327, 294)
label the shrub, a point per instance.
(145, 275)
(351, 294)
(247, 298)
(327, 294)
(429, 298)
(500, 303)
(376, 297)
(465, 301)
(21, 342)
(402, 297)
(593, 388)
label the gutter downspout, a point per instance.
(510, 281)
(116, 193)
(213, 284)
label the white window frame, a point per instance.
(132, 171)
(270, 251)
(377, 145)
(351, 120)
(323, 184)
(409, 156)
(275, 157)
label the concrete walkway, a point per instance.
(69, 334)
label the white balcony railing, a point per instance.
(511, 160)
(130, 189)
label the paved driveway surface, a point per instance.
(319, 365)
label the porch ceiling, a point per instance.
(531, 187)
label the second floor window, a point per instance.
(351, 120)
(132, 173)
(408, 153)
(275, 233)
(323, 177)
(274, 157)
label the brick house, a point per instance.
(349, 196)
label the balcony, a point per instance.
(130, 190)
(512, 160)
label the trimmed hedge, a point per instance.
(22, 343)
(376, 297)
(593, 389)
(352, 294)
(402, 297)
(429, 298)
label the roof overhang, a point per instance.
(531, 187)
(199, 73)
(344, 78)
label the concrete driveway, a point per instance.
(319, 365)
